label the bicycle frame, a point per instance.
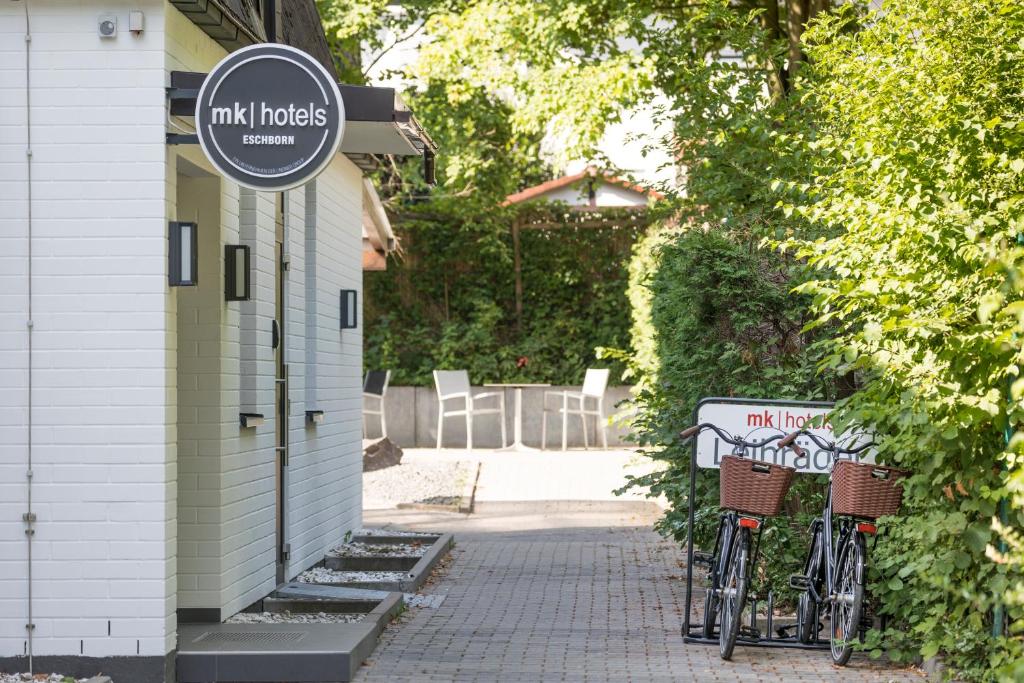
(846, 528)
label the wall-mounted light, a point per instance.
(183, 266)
(314, 417)
(249, 420)
(236, 272)
(428, 167)
(349, 312)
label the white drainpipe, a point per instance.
(29, 517)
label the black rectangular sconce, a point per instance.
(314, 417)
(349, 312)
(428, 167)
(236, 272)
(183, 266)
(250, 420)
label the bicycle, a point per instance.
(751, 491)
(857, 492)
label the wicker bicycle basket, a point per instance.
(752, 486)
(860, 489)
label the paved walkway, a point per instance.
(547, 475)
(541, 592)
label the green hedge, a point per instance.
(448, 300)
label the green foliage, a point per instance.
(722, 323)
(891, 165)
(448, 301)
(916, 175)
(561, 64)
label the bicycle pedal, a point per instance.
(702, 559)
(799, 582)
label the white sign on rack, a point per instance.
(753, 420)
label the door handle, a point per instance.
(275, 334)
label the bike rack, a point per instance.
(697, 635)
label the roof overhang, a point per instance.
(377, 121)
(589, 173)
(232, 23)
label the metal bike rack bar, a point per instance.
(696, 635)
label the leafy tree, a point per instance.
(916, 184)
(883, 149)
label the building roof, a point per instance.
(567, 181)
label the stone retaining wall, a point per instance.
(412, 419)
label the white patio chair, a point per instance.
(375, 386)
(453, 385)
(575, 403)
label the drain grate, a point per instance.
(255, 638)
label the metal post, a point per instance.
(689, 531)
(270, 20)
(1004, 510)
(997, 609)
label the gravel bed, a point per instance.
(39, 678)
(416, 482)
(413, 549)
(325, 575)
(294, 618)
(394, 532)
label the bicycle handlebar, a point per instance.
(821, 443)
(785, 441)
(688, 432)
(790, 441)
(732, 440)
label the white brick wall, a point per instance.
(326, 480)
(100, 296)
(323, 482)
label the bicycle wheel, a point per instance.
(807, 624)
(712, 604)
(734, 594)
(849, 598)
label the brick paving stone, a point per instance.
(573, 604)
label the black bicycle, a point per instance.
(835, 570)
(731, 564)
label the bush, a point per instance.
(721, 322)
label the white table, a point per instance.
(517, 425)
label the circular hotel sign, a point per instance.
(269, 117)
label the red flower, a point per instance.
(522, 361)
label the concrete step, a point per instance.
(280, 653)
(370, 564)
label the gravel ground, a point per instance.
(394, 532)
(415, 482)
(294, 618)
(413, 549)
(325, 575)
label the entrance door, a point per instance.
(280, 395)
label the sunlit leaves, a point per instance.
(919, 146)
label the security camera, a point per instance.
(107, 26)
